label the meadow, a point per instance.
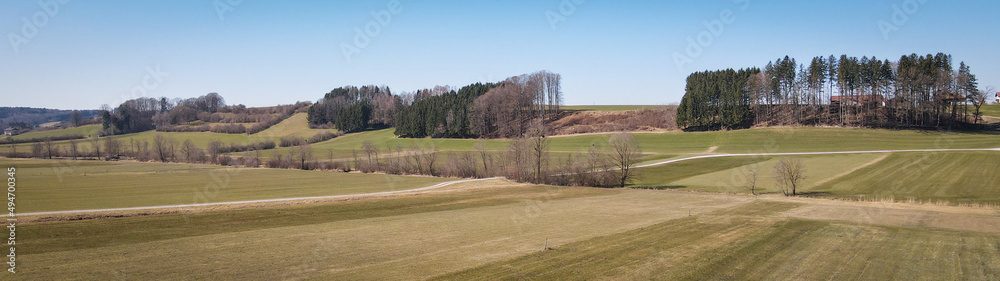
(512, 233)
(74, 185)
(86, 131)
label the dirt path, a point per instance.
(811, 153)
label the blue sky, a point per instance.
(259, 53)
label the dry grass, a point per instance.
(583, 122)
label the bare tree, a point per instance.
(539, 151)
(188, 150)
(95, 145)
(74, 149)
(752, 174)
(214, 149)
(37, 150)
(789, 173)
(483, 155)
(625, 154)
(430, 157)
(305, 154)
(113, 147)
(978, 99)
(161, 147)
(371, 150)
(50, 149)
(76, 118)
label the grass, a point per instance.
(71, 185)
(296, 126)
(87, 130)
(610, 107)
(665, 176)
(805, 139)
(756, 249)
(817, 168)
(200, 139)
(499, 234)
(951, 177)
(402, 238)
(956, 177)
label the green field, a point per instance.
(672, 143)
(991, 110)
(957, 177)
(689, 249)
(610, 107)
(86, 131)
(72, 185)
(951, 177)
(295, 126)
(498, 234)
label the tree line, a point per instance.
(915, 91)
(191, 115)
(491, 110)
(353, 109)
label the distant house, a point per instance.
(9, 131)
(876, 100)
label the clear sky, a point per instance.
(81, 54)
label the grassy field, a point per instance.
(987, 110)
(86, 131)
(958, 177)
(610, 107)
(673, 143)
(741, 141)
(952, 177)
(499, 234)
(758, 249)
(295, 126)
(71, 185)
(201, 139)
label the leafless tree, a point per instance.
(484, 155)
(161, 146)
(539, 151)
(430, 157)
(371, 150)
(112, 147)
(214, 149)
(625, 154)
(752, 174)
(978, 99)
(50, 149)
(187, 150)
(76, 118)
(95, 145)
(37, 150)
(74, 149)
(789, 173)
(304, 154)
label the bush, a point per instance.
(324, 136)
(292, 141)
(233, 128)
